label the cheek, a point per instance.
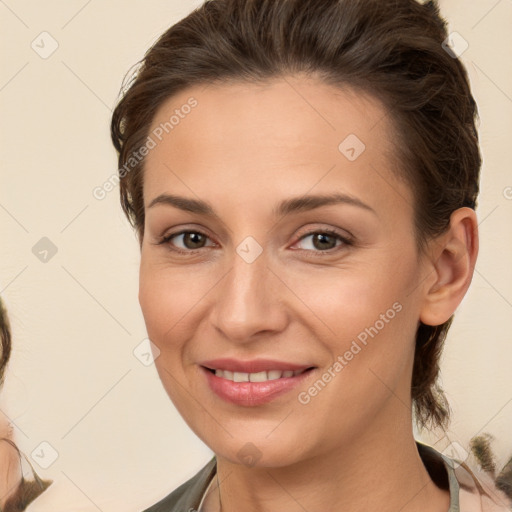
(171, 300)
(162, 296)
(344, 302)
(167, 303)
(161, 303)
(366, 317)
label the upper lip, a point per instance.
(252, 366)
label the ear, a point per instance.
(452, 261)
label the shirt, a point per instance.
(470, 490)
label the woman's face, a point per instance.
(268, 274)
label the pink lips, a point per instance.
(252, 393)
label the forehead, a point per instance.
(292, 133)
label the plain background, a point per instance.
(74, 381)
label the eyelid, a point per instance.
(181, 229)
(342, 234)
(165, 239)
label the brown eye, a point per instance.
(193, 239)
(322, 241)
(185, 241)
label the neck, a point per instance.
(381, 470)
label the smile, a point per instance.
(256, 377)
(250, 389)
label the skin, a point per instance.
(10, 469)
(244, 148)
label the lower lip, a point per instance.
(252, 393)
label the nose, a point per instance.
(249, 302)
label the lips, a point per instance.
(252, 383)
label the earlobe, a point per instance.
(454, 258)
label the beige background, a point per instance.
(74, 381)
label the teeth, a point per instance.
(240, 377)
(256, 377)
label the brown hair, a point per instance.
(5, 340)
(391, 49)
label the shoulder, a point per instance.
(471, 489)
(478, 492)
(188, 495)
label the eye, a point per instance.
(191, 240)
(320, 241)
(323, 241)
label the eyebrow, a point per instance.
(291, 205)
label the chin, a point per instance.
(258, 452)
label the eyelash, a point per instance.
(347, 242)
